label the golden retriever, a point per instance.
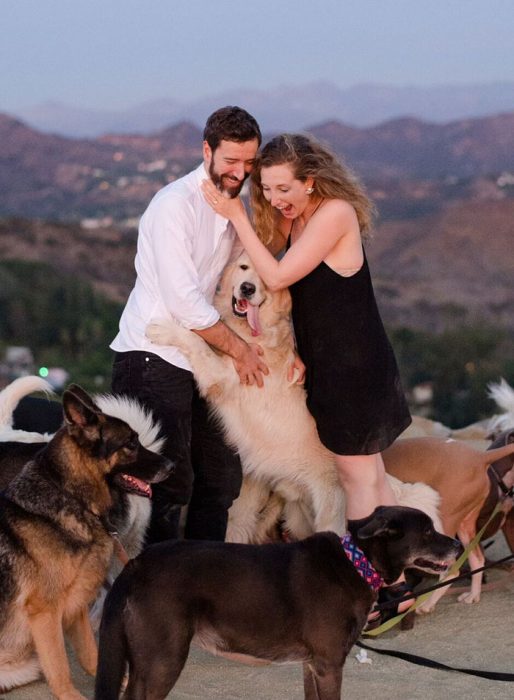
(289, 476)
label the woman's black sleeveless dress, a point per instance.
(352, 381)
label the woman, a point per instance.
(305, 199)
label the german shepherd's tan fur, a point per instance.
(55, 547)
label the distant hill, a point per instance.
(50, 176)
(448, 268)
(285, 107)
(441, 254)
(411, 167)
(407, 147)
(431, 273)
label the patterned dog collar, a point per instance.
(361, 563)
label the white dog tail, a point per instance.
(16, 673)
(420, 496)
(503, 395)
(17, 390)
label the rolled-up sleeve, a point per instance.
(169, 228)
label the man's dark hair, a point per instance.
(230, 124)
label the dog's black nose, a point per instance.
(247, 289)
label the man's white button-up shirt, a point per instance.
(183, 246)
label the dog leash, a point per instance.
(430, 663)
(423, 660)
(420, 597)
(507, 492)
(441, 584)
(119, 549)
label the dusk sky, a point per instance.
(117, 53)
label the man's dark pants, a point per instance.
(207, 475)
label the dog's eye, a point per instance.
(131, 444)
(243, 267)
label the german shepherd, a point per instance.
(129, 514)
(301, 601)
(55, 544)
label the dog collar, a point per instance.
(360, 561)
(507, 493)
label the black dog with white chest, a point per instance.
(302, 601)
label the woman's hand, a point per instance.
(222, 204)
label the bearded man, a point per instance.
(183, 246)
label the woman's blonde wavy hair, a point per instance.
(307, 158)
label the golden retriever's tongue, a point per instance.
(252, 316)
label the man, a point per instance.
(182, 249)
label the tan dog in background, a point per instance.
(458, 473)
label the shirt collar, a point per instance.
(201, 175)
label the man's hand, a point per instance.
(248, 364)
(296, 371)
(245, 356)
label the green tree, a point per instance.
(459, 364)
(60, 317)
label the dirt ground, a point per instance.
(477, 636)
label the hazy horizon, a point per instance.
(271, 88)
(123, 53)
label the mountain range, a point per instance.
(411, 167)
(283, 108)
(442, 251)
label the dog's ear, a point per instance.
(82, 394)
(379, 526)
(79, 408)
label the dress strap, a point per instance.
(288, 241)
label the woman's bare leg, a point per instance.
(363, 479)
(364, 482)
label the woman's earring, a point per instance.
(309, 190)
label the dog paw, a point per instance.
(72, 694)
(90, 667)
(425, 609)
(162, 331)
(469, 598)
(296, 377)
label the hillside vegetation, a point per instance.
(67, 323)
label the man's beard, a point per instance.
(219, 182)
